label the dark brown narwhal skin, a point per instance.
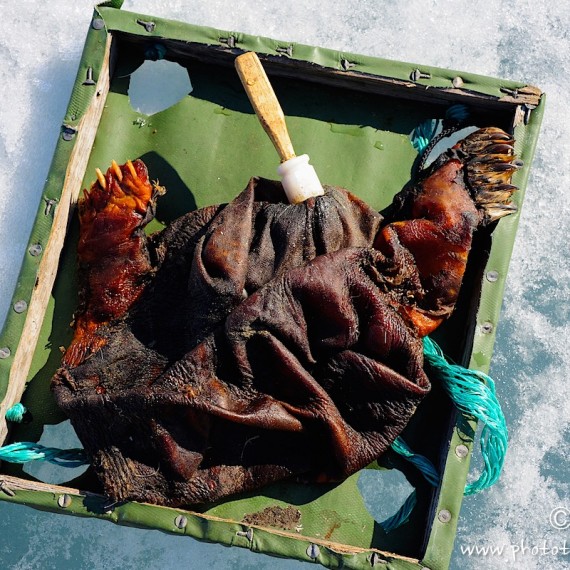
(259, 340)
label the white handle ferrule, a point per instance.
(300, 181)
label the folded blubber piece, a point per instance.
(260, 340)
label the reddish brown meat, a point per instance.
(114, 264)
(265, 340)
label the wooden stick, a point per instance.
(265, 103)
(47, 270)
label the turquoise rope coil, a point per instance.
(473, 393)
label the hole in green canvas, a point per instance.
(383, 491)
(62, 436)
(157, 85)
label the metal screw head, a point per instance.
(89, 77)
(230, 41)
(418, 74)
(375, 558)
(5, 489)
(487, 327)
(97, 24)
(527, 111)
(148, 26)
(49, 205)
(20, 306)
(461, 451)
(35, 249)
(4, 352)
(492, 276)
(288, 51)
(64, 501)
(313, 551)
(181, 521)
(444, 516)
(247, 533)
(457, 82)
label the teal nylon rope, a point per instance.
(429, 472)
(16, 413)
(425, 466)
(423, 134)
(403, 514)
(473, 393)
(26, 451)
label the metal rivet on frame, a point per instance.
(4, 352)
(181, 522)
(487, 327)
(313, 551)
(68, 133)
(288, 51)
(64, 501)
(462, 451)
(492, 276)
(444, 516)
(230, 41)
(35, 249)
(20, 306)
(6, 489)
(457, 82)
(50, 203)
(108, 506)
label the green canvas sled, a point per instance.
(353, 114)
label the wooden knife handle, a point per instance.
(265, 104)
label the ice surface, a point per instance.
(157, 85)
(40, 47)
